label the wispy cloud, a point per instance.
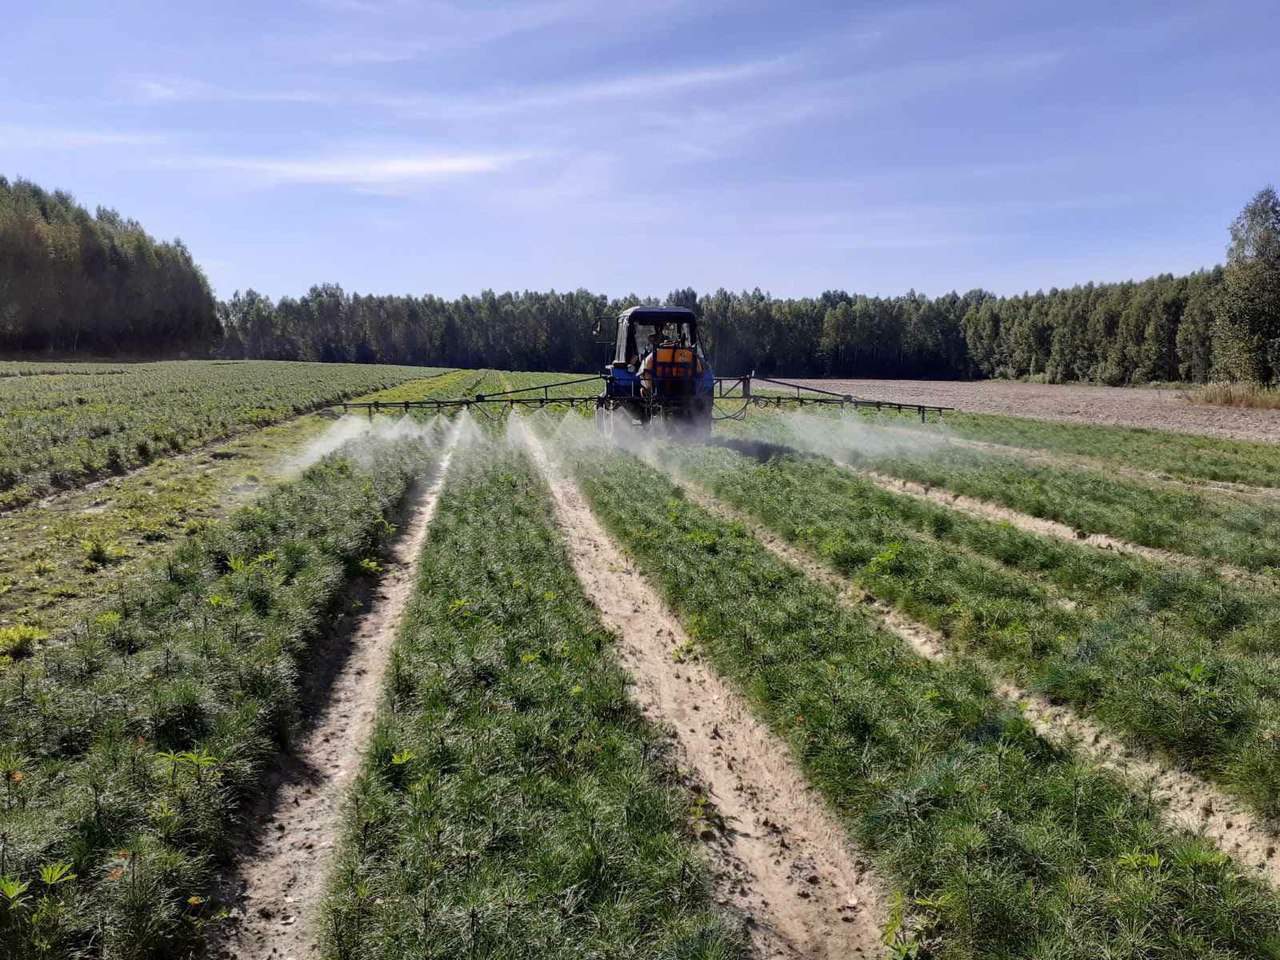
(432, 28)
(178, 90)
(61, 138)
(648, 85)
(656, 84)
(366, 169)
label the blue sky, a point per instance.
(411, 146)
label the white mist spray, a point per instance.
(356, 435)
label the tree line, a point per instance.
(835, 334)
(1222, 323)
(1219, 324)
(71, 282)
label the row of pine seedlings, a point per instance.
(133, 745)
(513, 801)
(1208, 523)
(1177, 658)
(999, 844)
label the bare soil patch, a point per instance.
(783, 860)
(1156, 409)
(282, 877)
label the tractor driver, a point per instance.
(646, 362)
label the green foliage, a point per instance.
(1182, 455)
(1248, 304)
(65, 425)
(18, 641)
(1216, 526)
(73, 282)
(134, 742)
(1159, 329)
(1114, 333)
(1002, 845)
(81, 283)
(513, 803)
(1178, 659)
(43, 578)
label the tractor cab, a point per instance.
(658, 370)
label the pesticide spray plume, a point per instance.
(855, 438)
(851, 438)
(356, 436)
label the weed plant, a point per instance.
(1211, 524)
(1225, 394)
(513, 802)
(44, 580)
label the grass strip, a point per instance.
(1003, 845)
(513, 802)
(1183, 455)
(129, 749)
(64, 430)
(1217, 527)
(1179, 660)
(1209, 524)
(64, 558)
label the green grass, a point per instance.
(1182, 455)
(129, 748)
(453, 385)
(45, 580)
(60, 430)
(513, 803)
(1004, 846)
(1173, 657)
(1212, 525)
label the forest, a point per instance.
(75, 284)
(1218, 324)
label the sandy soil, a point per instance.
(282, 877)
(783, 860)
(1111, 406)
(1188, 801)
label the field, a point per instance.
(491, 685)
(1166, 409)
(62, 425)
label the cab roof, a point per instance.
(653, 315)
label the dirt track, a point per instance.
(281, 881)
(783, 860)
(1110, 406)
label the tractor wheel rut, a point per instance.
(281, 879)
(1188, 802)
(783, 860)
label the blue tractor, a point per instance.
(658, 372)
